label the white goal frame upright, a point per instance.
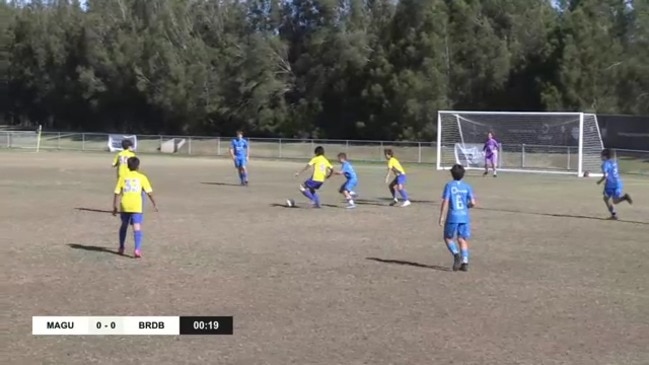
(533, 124)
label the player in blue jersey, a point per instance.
(240, 153)
(347, 188)
(613, 187)
(457, 199)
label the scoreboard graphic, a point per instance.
(131, 325)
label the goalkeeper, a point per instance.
(490, 149)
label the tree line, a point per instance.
(365, 69)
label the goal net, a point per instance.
(28, 140)
(568, 143)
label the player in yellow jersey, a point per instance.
(399, 182)
(120, 159)
(322, 170)
(131, 187)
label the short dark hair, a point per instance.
(342, 155)
(133, 163)
(319, 151)
(126, 143)
(457, 171)
(388, 152)
(606, 153)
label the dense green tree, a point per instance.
(7, 19)
(366, 69)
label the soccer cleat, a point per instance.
(628, 198)
(495, 175)
(464, 267)
(394, 202)
(485, 173)
(405, 204)
(137, 254)
(120, 251)
(350, 206)
(613, 217)
(457, 262)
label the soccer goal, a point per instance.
(568, 143)
(27, 140)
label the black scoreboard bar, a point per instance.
(190, 325)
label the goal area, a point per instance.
(543, 142)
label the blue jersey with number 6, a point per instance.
(459, 194)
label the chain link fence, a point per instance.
(631, 161)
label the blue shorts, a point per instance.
(131, 218)
(460, 230)
(399, 180)
(240, 162)
(349, 185)
(312, 185)
(615, 193)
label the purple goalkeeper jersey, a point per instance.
(490, 147)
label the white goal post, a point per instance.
(545, 142)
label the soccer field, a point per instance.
(551, 280)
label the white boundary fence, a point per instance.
(281, 148)
(631, 161)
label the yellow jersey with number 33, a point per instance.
(395, 166)
(320, 165)
(132, 185)
(120, 160)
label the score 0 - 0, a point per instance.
(106, 325)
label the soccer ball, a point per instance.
(290, 203)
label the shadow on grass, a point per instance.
(94, 210)
(384, 202)
(409, 263)
(386, 199)
(370, 202)
(77, 246)
(305, 206)
(219, 183)
(558, 215)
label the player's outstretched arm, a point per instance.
(115, 203)
(117, 194)
(155, 206)
(443, 211)
(303, 170)
(387, 176)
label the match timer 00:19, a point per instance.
(206, 325)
